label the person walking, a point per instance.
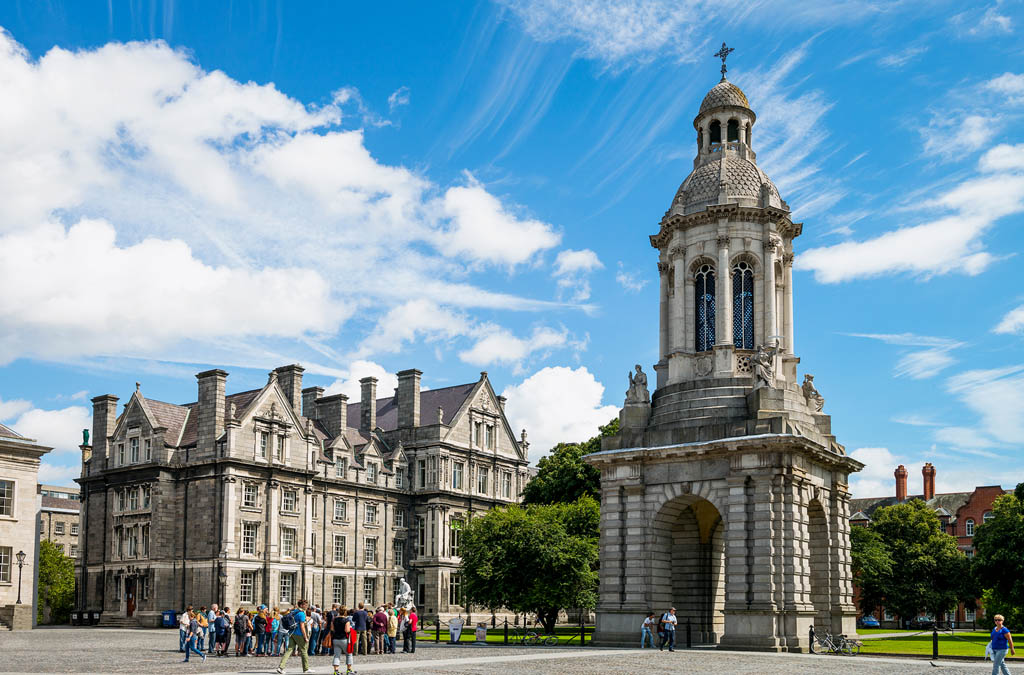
(1001, 641)
(294, 623)
(392, 632)
(668, 625)
(647, 630)
(183, 620)
(314, 629)
(211, 619)
(361, 622)
(341, 630)
(410, 631)
(193, 635)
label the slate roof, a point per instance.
(950, 501)
(168, 415)
(743, 180)
(241, 400)
(448, 398)
(9, 432)
(58, 503)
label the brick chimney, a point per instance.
(407, 397)
(289, 378)
(928, 473)
(210, 409)
(901, 482)
(104, 419)
(368, 404)
(309, 398)
(332, 412)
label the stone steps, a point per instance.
(113, 621)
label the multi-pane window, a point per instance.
(287, 588)
(506, 485)
(481, 479)
(704, 303)
(490, 436)
(133, 542)
(250, 493)
(148, 447)
(247, 587)
(147, 496)
(338, 590)
(133, 499)
(369, 586)
(58, 528)
(969, 527)
(288, 498)
(120, 453)
(341, 469)
(370, 551)
(118, 542)
(743, 306)
(288, 542)
(6, 498)
(74, 550)
(371, 472)
(478, 434)
(399, 478)
(249, 533)
(340, 509)
(145, 541)
(74, 529)
(455, 589)
(432, 470)
(280, 448)
(5, 564)
(133, 445)
(399, 517)
(121, 500)
(421, 467)
(458, 468)
(455, 540)
(371, 514)
(969, 615)
(421, 536)
(399, 552)
(988, 515)
(339, 548)
(264, 439)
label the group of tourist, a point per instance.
(303, 630)
(665, 627)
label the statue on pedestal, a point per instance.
(814, 399)
(404, 597)
(764, 366)
(637, 392)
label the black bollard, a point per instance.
(583, 631)
(506, 631)
(689, 635)
(437, 631)
(935, 643)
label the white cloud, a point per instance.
(997, 397)
(398, 98)
(415, 319)
(876, 479)
(500, 346)
(557, 404)
(901, 58)
(1003, 157)
(59, 429)
(921, 364)
(991, 22)
(56, 474)
(629, 280)
(963, 438)
(1012, 322)
(11, 409)
(1010, 85)
(952, 136)
(349, 383)
(571, 270)
(916, 421)
(80, 395)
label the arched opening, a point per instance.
(716, 131)
(704, 304)
(743, 305)
(688, 566)
(817, 532)
(733, 131)
(700, 139)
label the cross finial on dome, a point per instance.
(723, 53)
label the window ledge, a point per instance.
(288, 513)
(250, 509)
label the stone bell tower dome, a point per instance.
(725, 494)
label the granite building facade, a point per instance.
(273, 494)
(59, 514)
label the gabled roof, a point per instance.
(170, 416)
(241, 400)
(950, 501)
(448, 398)
(9, 432)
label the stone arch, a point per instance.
(747, 257)
(715, 131)
(819, 568)
(733, 130)
(688, 563)
(699, 262)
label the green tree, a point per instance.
(563, 476)
(998, 559)
(920, 569)
(535, 558)
(56, 583)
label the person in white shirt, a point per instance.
(211, 618)
(183, 622)
(668, 625)
(647, 630)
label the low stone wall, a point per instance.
(16, 617)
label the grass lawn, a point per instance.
(497, 635)
(964, 644)
(877, 631)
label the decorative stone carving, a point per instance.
(678, 251)
(723, 241)
(637, 392)
(704, 366)
(663, 267)
(787, 259)
(771, 246)
(440, 415)
(232, 415)
(743, 365)
(764, 366)
(814, 399)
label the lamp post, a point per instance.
(21, 563)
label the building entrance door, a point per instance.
(129, 586)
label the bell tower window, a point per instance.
(716, 131)
(733, 131)
(704, 302)
(743, 306)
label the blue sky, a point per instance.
(461, 187)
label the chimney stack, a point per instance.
(289, 378)
(928, 472)
(104, 419)
(408, 398)
(309, 399)
(210, 409)
(368, 404)
(332, 412)
(901, 482)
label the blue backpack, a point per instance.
(288, 622)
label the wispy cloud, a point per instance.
(902, 57)
(920, 364)
(631, 281)
(1012, 322)
(398, 98)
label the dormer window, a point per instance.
(148, 445)
(399, 478)
(371, 472)
(120, 453)
(341, 467)
(489, 436)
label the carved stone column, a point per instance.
(663, 336)
(723, 301)
(770, 313)
(787, 266)
(230, 509)
(679, 332)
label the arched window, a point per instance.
(743, 305)
(704, 302)
(987, 516)
(969, 527)
(733, 131)
(716, 131)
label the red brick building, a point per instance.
(959, 512)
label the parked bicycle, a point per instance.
(531, 638)
(839, 644)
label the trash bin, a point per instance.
(94, 617)
(170, 619)
(74, 619)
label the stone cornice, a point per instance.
(670, 223)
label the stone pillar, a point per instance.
(679, 330)
(723, 298)
(770, 322)
(368, 404)
(227, 544)
(844, 612)
(273, 534)
(787, 266)
(663, 313)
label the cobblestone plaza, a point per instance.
(106, 650)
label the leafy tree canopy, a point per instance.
(539, 558)
(905, 561)
(56, 583)
(998, 558)
(563, 476)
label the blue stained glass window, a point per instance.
(743, 306)
(704, 304)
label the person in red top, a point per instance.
(409, 635)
